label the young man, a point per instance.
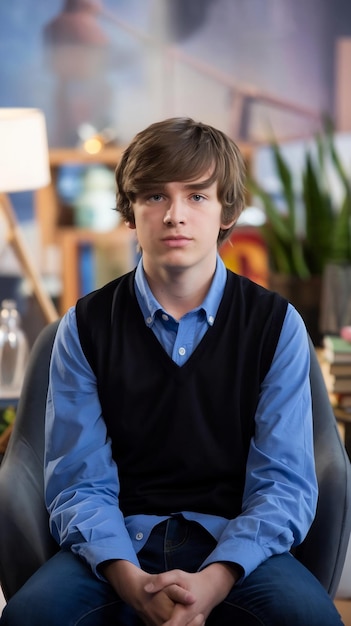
(179, 457)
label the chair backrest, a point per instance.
(25, 540)
(324, 550)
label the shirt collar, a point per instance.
(149, 305)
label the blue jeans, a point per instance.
(64, 592)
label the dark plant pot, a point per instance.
(336, 298)
(305, 296)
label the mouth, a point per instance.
(177, 241)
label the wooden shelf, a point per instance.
(107, 156)
(113, 244)
(67, 240)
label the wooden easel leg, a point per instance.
(16, 240)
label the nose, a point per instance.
(175, 213)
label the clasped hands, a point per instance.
(173, 598)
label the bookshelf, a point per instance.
(67, 239)
(47, 204)
(342, 416)
(72, 240)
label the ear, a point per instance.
(130, 225)
(228, 225)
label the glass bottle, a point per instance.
(13, 350)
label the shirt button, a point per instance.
(165, 317)
(210, 319)
(149, 320)
(181, 351)
(139, 536)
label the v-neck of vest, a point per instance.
(210, 335)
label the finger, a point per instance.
(199, 620)
(179, 595)
(157, 582)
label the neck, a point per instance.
(179, 292)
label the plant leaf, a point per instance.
(341, 243)
(277, 219)
(319, 217)
(286, 182)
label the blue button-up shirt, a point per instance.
(81, 478)
(180, 338)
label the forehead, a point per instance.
(196, 184)
(205, 181)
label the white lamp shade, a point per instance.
(24, 156)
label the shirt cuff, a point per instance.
(246, 554)
(96, 553)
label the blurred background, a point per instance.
(101, 70)
(125, 63)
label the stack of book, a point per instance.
(337, 369)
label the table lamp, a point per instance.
(24, 166)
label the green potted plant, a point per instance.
(336, 285)
(311, 232)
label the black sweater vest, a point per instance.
(180, 435)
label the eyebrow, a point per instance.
(205, 184)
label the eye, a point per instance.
(156, 197)
(197, 197)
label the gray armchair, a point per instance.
(25, 540)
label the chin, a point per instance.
(176, 262)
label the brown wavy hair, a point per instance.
(178, 150)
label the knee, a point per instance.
(13, 615)
(24, 611)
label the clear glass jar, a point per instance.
(13, 350)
